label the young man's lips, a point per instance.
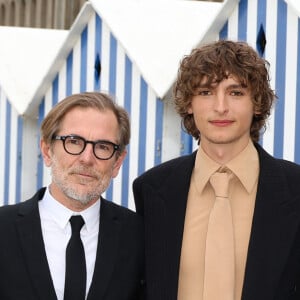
(221, 122)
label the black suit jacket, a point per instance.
(273, 260)
(24, 271)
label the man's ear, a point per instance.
(190, 110)
(46, 152)
(118, 163)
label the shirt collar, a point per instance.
(61, 214)
(245, 166)
(204, 168)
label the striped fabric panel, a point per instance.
(123, 80)
(11, 132)
(281, 26)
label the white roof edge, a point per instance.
(168, 57)
(215, 27)
(295, 4)
(74, 32)
(21, 71)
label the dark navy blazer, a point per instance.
(24, 270)
(273, 259)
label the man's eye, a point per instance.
(73, 141)
(236, 93)
(204, 93)
(103, 147)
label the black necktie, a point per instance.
(75, 281)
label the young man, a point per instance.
(83, 141)
(206, 244)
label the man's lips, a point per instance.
(221, 123)
(84, 175)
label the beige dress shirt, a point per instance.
(242, 194)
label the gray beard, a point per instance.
(59, 179)
(72, 194)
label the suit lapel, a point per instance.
(109, 233)
(164, 221)
(275, 221)
(31, 241)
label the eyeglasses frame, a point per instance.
(64, 137)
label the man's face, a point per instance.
(223, 113)
(82, 177)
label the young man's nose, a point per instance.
(221, 103)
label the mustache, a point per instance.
(84, 170)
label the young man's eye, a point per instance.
(236, 93)
(204, 92)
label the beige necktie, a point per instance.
(219, 253)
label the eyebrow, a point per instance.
(238, 86)
(231, 86)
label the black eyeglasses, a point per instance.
(75, 145)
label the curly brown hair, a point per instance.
(215, 62)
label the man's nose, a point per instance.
(88, 153)
(221, 102)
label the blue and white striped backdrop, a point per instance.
(156, 133)
(11, 132)
(281, 26)
(119, 77)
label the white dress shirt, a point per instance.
(56, 231)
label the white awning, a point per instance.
(25, 56)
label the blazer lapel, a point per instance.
(31, 241)
(275, 222)
(108, 241)
(164, 221)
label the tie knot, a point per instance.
(220, 183)
(76, 223)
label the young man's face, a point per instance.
(82, 177)
(223, 113)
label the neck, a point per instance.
(222, 153)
